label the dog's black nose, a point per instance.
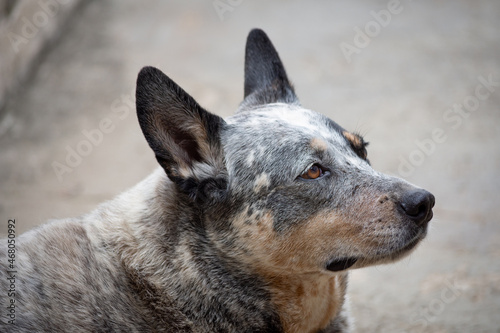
(417, 205)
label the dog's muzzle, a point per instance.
(414, 205)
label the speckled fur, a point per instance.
(225, 236)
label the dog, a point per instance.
(249, 224)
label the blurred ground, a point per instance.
(415, 84)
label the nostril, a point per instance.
(417, 204)
(414, 210)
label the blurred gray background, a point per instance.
(419, 79)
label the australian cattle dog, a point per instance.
(249, 224)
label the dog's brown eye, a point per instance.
(315, 171)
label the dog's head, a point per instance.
(277, 186)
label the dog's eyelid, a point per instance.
(309, 165)
(314, 171)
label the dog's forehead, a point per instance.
(278, 118)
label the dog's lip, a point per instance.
(337, 265)
(412, 243)
(341, 264)
(409, 246)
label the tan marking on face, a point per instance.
(353, 138)
(308, 247)
(319, 144)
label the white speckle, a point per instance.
(262, 181)
(251, 158)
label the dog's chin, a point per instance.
(343, 264)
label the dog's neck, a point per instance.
(309, 302)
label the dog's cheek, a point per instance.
(295, 205)
(322, 237)
(301, 248)
(247, 238)
(259, 245)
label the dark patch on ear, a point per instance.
(186, 142)
(265, 76)
(357, 144)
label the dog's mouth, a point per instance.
(341, 264)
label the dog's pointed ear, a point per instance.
(265, 77)
(184, 137)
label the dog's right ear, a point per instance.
(266, 81)
(184, 137)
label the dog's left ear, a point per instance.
(266, 81)
(184, 137)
